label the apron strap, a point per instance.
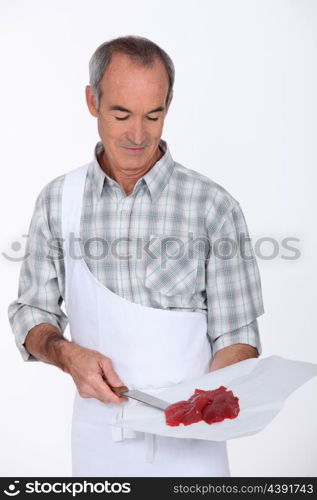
(72, 196)
(150, 442)
(121, 433)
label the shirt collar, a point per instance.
(155, 179)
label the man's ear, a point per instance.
(169, 101)
(91, 101)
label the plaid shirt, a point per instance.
(173, 243)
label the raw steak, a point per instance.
(209, 406)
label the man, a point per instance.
(146, 321)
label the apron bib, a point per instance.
(150, 349)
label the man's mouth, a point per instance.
(134, 150)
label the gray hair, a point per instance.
(139, 49)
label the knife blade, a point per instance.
(143, 397)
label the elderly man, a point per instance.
(146, 307)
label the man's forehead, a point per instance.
(123, 71)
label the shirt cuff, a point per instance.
(248, 334)
(27, 318)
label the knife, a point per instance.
(143, 397)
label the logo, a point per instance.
(12, 491)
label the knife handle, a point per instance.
(119, 390)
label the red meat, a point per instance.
(174, 412)
(225, 406)
(209, 406)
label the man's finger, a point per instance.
(104, 393)
(111, 376)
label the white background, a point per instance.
(244, 114)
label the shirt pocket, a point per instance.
(172, 269)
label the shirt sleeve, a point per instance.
(233, 284)
(39, 297)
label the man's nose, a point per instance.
(136, 132)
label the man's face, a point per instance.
(132, 111)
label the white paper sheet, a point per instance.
(261, 384)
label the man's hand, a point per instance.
(91, 370)
(233, 354)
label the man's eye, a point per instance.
(126, 117)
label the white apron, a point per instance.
(150, 349)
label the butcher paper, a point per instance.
(261, 384)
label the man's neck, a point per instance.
(127, 180)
